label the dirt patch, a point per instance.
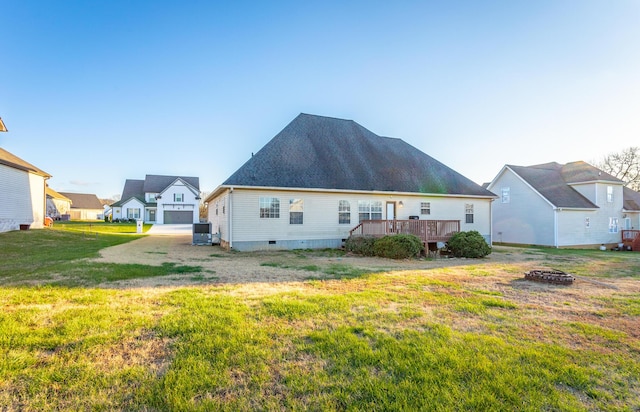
(506, 265)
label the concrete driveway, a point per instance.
(171, 230)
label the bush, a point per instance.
(398, 246)
(362, 245)
(468, 244)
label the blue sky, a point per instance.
(95, 92)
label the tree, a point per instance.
(203, 206)
(624, 165)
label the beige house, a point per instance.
(58, 205)
(84, 206)
(322, 177)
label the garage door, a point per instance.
(174, 216)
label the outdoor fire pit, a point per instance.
(556, 277)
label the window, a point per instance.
(610, 194)
(613, 225)
(344, 212)
(425, 208)
(178, 197)
(468, 213)
(506, 195)
(152, 197)
(133, 213)
(296, 207)
(269, 207)
(369, 210)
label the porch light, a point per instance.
(401, 204)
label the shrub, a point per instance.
(362, 245)
(468, 244)
(398, 246)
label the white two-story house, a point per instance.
(557, 205)
(160, 200)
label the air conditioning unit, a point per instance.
(202, 234)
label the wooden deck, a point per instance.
(429, 231)
(631, 238)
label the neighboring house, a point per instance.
(84, 206)
(320, 177)
(557, 205)
(160, 199)
(22, 193)
(57, 204)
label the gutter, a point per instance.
(230, 218)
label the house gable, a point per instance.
(23, 187)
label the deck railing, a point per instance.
(631, 238)
(630, 235)
(427, 230)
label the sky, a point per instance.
(97, 92)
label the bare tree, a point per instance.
(203, 205)
(624, 165)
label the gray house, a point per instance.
(322, 177)
(551, 204)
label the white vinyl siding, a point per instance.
(23, 199)
(526, 219)
(320, 220)
(178, 197)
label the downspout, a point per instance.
(230, 218)
(491, 221)
(44, 212)
(555, 226)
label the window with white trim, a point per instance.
(369, 210)
(296, 210)
(425, 208)
(269, 207)
(133, 213)
(506, 195)
(613, 225)
(468, 213)
(178, 197)
(610, 194)
(344, 212)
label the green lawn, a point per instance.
(439, 339)
(99, 226)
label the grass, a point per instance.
(99, 226)
(60, 257)
(457, 338)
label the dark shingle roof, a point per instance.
(158, 183)
(132, 188)
(328, 153)
(552, 180)
(631, 199)
(136, 188)
(14, 161)
(83, 200)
